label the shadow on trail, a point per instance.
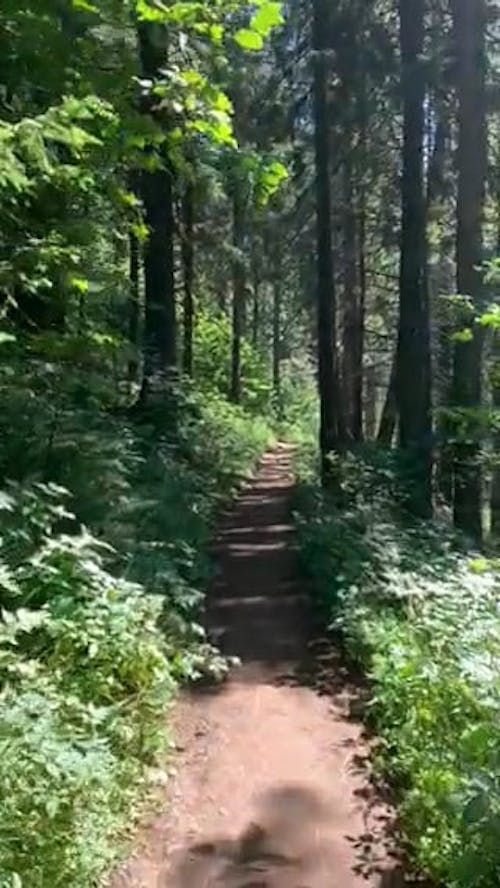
(282, 847)
(258, 612)
(288, 842)
(324, 670)
(285, 846)
(256, 609)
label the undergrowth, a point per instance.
(105, 518)
(423, 618)
(85, 677)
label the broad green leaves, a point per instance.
(194, 102)
(267, 17)
(211, 20)
(155, 11)
(271, 175)
(84, 6)
(249, 39)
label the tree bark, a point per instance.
(389, 418)
(495, 481)
(444, 470)
(362, 297)
(413, 357)
(256, 298)
(435, 175)
(188, 270)
(160, 314)
(326, 317)
(134, 305)
(436, 284)
(494, 376)
(352, 353)
(351, 104)
(277, 342)
(469, 29)
(238, 317)
(370, 410)
(157, 196)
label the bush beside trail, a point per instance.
(101, 592)
(423, 618)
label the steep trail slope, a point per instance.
(271, 788)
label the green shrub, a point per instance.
(424, 621)
(151, 499)
(84, 681)
(212, 350)
(99, 625)
(299, 416)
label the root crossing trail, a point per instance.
(271, 788)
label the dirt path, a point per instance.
(270, 790)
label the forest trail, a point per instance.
(271, 788)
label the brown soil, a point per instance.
(272, 788)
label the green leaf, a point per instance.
(153, 11)
(465, 335)
(84, 6)
(491, 318)
(479, 565)
(140, 230)
(248, 39)
(81, 285)
(266, 18)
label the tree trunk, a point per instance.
(134, 306)
(469, 25)
(444, 470)
(389, 418)
(494, 377)
(362, 300)
(495, 483)
(256, 299)
(361, 223)
(277, 343)
(352, 353)
(238, 293)
(435, 175)
(413, 359)
(436, 284)
(157, 196)
(351, 104)
(370, 411)
(159, 328)
(188, 269)
(327, 334)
